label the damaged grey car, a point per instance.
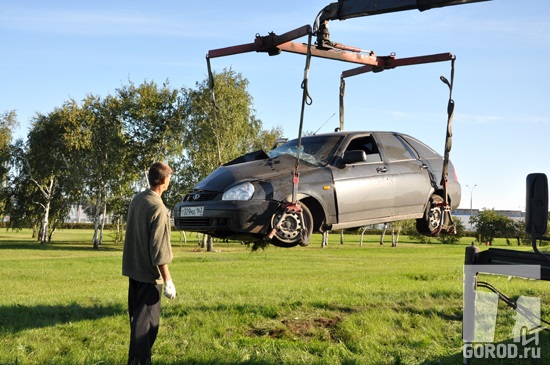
(346, 180)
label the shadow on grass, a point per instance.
(448, 360)
(255, 361)
(16, 318)
(57, 246)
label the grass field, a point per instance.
(65, 303)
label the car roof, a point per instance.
(351, 133)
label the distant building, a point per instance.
(465, 214)
(78, 215)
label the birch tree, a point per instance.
(153, 122)
(216, 134)
(105, 158)
(8, 122)
(46, 166)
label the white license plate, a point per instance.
(191, 211)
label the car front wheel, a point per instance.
(293, 228)
(430, 223)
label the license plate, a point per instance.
(191, 211)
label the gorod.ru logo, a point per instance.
(479, 330)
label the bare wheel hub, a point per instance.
(435, 216)
(290, 226)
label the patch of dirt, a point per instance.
(303, 328)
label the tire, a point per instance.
(430, 223)
(293, 230)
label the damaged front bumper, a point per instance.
(245, 220)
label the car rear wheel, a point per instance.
(430, 223)
(294, 229)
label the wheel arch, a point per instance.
(316, 209)
(441, 194)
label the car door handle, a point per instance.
(424, 166)
(382, 169)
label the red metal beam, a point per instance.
(392, 62)
(274, 44)
(339, 55)
(268, 43)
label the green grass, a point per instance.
(65, 303)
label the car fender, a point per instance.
(316, 190)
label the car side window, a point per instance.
(424, 151)
(368, 145)
(395, 149)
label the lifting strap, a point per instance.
(449, 136)
(342, 94)
(211, 82)
(215, 107)
(306, 100)
(292, 208)
(446, 217)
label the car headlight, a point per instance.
(242, 191)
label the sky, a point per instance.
(55, 51)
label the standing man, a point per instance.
(147, 253)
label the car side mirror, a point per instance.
(354, 156)
(536, 204)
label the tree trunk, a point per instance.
(51, 234)
(184, 237)
(362, 235)
(43, 233)
(324, 240)
(118, 230)
(103, 215)
(96, 223)
(383, 234)
(209, 243)
(396, 241)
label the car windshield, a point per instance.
(316, 150)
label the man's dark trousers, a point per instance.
(144, 310)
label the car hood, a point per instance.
(264, 169)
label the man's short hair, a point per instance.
(157, 173)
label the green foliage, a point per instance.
(216, 134)
(96, 152)
(490, 224)
(8, 122)
(153, 120)
(44, 163)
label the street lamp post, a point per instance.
(471, 194)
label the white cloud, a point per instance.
(84, 22)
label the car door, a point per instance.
(364, 190)
(410, 175)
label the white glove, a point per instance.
(169, 289)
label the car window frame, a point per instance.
(414, 155)
(344, 145)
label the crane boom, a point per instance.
(345, 9)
